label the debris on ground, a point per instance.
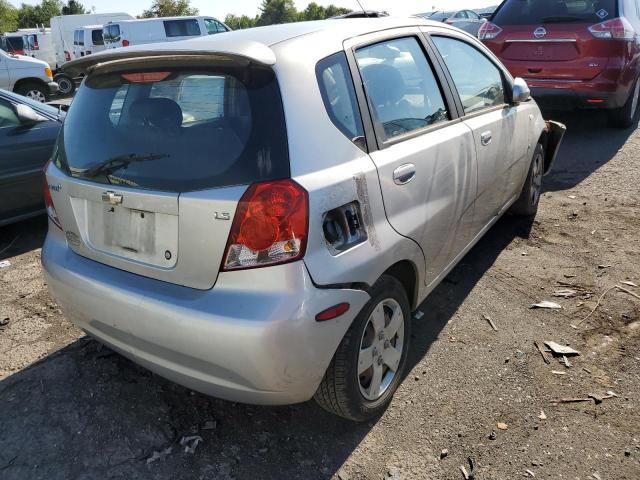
(631, 284)
(190, 443)
(492, 435)
(4, 322)
(530, 473)
(161, 455)
(558, 372)
(209, 425)
(542, 415)
(502, 426)
(464, 472)
(488, 319)
(602, 267)
(597, 399)
(597, 477)
(600, 301)
(565, 293)
(566, 362)
(546, 304)
(5, 264)
(546, 360)
(444, 453)
(558, 349)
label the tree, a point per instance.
(277, 11)
(240, 23)
(8, 17)
(169, 8)
(73, 7)
(34, 16)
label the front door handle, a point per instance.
(404, 174)
(486, 138)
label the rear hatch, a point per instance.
(153, 162)
(552, 40)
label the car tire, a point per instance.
(35, 91)
(527, 203)
(362, 360)
(66, 85)
(624, 116)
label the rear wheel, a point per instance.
(369, 363)
(34, 91)
(624, 116)
(527, 203)
(66, 85)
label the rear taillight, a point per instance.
(48, 200)
(269, 227)
(35, 43)
(67, 56)
(125, 43)
(488, 31)
(616, 28)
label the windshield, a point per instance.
(176, 130)
(14, 44)
(536, 12)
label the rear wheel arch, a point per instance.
(407, 274)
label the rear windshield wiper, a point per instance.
(122, 161)
(562, 19)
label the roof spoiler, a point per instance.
(237, 52)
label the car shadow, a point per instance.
(588, 145)
(22, 237)
(90, 412)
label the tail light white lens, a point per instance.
(269, 227)
(48, 200)
(488, 31)
(616, 28)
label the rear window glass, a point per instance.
(181, 28)
(111, 33)
(96, 37)
(15, 43)
(179, 130)
(536, 12)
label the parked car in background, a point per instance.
(466, 20)
(355, 164)
(27, 76)
(363, 14)
(39, 44)
(436, 15)
(87, 40)
(163, 29)
(13, 42)
(28, 131)
(573, 54)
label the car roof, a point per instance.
(257, 44)
(159, 19)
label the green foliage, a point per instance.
(169, 8)
(283, 11)
(8, 17)
(74, 7)
(33, 16)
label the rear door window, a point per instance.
(338, 94)
(177, 130)
(401, 86)
(477, 79)
(536, 12)
(213, 26)
(182, 28)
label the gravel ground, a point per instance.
(71, 409)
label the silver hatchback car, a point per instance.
(255, 215)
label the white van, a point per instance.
(63, 28)
(27, 76)
(87, 40)
(39, 44)
(163, 29)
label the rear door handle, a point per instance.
(486, 138)
(404, 174)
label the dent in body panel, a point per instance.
(367, 217)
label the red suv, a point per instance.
(573, 53)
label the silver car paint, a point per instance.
(253, 336)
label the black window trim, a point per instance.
(374, 130)
(507, 82)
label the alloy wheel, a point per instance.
(36, 95)
(381, 349)
(634, 101)
(536, 178)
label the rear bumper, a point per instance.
(573, 96)
(252, 339)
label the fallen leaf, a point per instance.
(502, 426)
(546, 304)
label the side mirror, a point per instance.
(27, 115)
(520, 92)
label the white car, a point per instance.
(155, 30)
(27, 76)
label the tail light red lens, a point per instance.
(616, 28)
(125, 43)
(269, 227)
(67, 56)
(35, 43)
(488, 31)
(48, 200)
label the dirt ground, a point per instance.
(72, 410)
